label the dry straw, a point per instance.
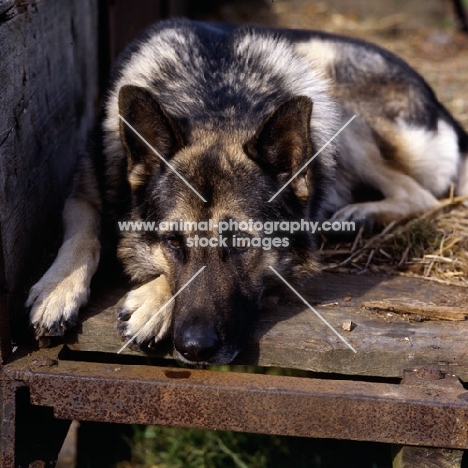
(433, 246)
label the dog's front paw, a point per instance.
(354, 212)
(57, 297)
(144, 314)
(55, 302)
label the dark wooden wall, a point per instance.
(48, 94)
(54, 59)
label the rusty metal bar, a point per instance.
(403, 414)
(409, 457)
(7, 422)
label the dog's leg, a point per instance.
(404, 197)
(141, 311)
(57, 297)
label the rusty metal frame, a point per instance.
(431, 413)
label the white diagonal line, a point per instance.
(160, 157)
(159, 310)
(312, 158)
(315, 312)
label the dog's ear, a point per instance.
(282, 144)
(146, 127)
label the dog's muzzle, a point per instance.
(197, 344)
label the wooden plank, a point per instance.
(48, 92)
(290, 335)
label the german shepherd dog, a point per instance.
(220, 122)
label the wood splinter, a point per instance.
(408, 306)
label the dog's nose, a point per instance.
(198, 345)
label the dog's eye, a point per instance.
(174, 242)
(241, 249)
(240, 242)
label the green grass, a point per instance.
(165, 447)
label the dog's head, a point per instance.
(214, 179)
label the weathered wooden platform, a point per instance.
(289, 335)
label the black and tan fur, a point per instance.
(237, 111)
